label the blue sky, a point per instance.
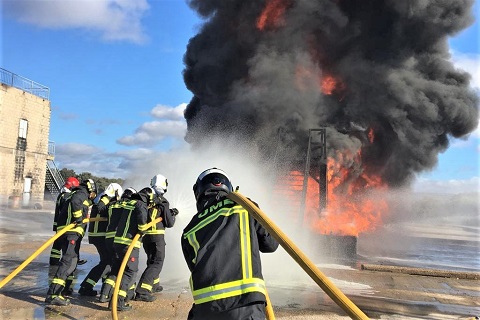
(114, 69)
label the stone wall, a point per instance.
(22, 159)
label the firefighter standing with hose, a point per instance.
(154, 241)
(56, 251)
(74, 211)
(114, 214)
(96, 236)
(221, 246)
(133, 220)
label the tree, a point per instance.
(67, 173)
(101, 182)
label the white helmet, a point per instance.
(212, 180)
(114, 190)
(159, 183)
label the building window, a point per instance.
(22, 129)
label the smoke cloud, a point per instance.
(377, 74)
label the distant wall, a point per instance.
(23, 159)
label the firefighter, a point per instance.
(74, 210)
(56, 251)
(96, 236)
(133, 220)
(114, 213)
(154, 241)
(221, 246)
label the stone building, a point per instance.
(25, 149)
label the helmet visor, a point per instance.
(216, 179)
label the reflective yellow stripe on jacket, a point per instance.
(153, 230)
(229, 289)
(79, 213)
(248, 283)
(123, 239)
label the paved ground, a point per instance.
(381, 295)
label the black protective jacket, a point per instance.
(222, 246)
(132, 220)
(74, 210)
(114, 213)
(98, 229)
(61, 199)
(160, 210)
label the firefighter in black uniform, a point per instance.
(222, 245)
(56, 251)
(154, 241)
(96, 236)
(74, 211)
(114, 214)
(133, 220)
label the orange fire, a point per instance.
(328, 84)
(352, 207)
(273, 14)
(371, 135)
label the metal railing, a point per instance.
(53, 179)
(27, 85)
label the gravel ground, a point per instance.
(381, 295)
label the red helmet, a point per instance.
(71, 182)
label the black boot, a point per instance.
(57, 301)
(131, 293)
(106, 292)
(87, 291)
(121, 305)
(147, 297)
(157, 289)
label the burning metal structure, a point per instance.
(376, 74)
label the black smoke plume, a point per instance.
(256, 67)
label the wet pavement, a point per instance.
(294, 295)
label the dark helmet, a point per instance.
(127, 194)
(212, 180)
(90, 185)
(71, 183)
(149, 193)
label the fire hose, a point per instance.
(45, 245)
(122, 268)
(307, 265)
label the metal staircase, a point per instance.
(53, 179)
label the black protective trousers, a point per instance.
(131, 268)
(68, 263)
(103, 266)
(56, 251)
(154, 246)
(254, 311)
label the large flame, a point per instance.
(353, 204)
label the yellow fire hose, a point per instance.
(307, 265)
(45, 245)
(122, 268)
(269, 307)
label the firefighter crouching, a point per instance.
(74, 210)
(154, 241)
(133, 220)
(221, 246)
